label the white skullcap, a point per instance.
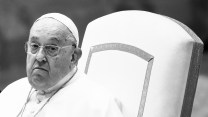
(64, 20)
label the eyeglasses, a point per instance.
(51, 50)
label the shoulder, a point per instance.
(84, 84)
(14, 94)
(17, 86)
(87, 90)
(87, 96)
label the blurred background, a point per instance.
(17, 16)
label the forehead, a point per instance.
(48, 29)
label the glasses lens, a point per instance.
(52, 50)
(34, 48)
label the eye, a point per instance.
(34, 46)
(51, 48)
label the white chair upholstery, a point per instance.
(149, 61)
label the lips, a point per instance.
(40, 68)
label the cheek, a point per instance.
(62, 64)
(30, 62)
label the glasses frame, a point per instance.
(45, 50)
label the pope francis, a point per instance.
(54, 87)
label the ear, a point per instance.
(76, 55)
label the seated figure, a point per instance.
(54, 87)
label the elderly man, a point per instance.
(54, 87)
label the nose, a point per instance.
(40, 55)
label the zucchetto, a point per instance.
(64, 20)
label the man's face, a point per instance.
(44, 71)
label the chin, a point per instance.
(38, 82)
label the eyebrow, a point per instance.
(33, 38)
(52, 39)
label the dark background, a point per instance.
(17, 16)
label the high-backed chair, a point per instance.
(149, 61)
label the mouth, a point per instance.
(40, 68)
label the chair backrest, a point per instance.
(149, 61)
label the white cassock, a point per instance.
(80, 97)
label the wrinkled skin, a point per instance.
(44, 71)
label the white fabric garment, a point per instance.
(78, 98)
